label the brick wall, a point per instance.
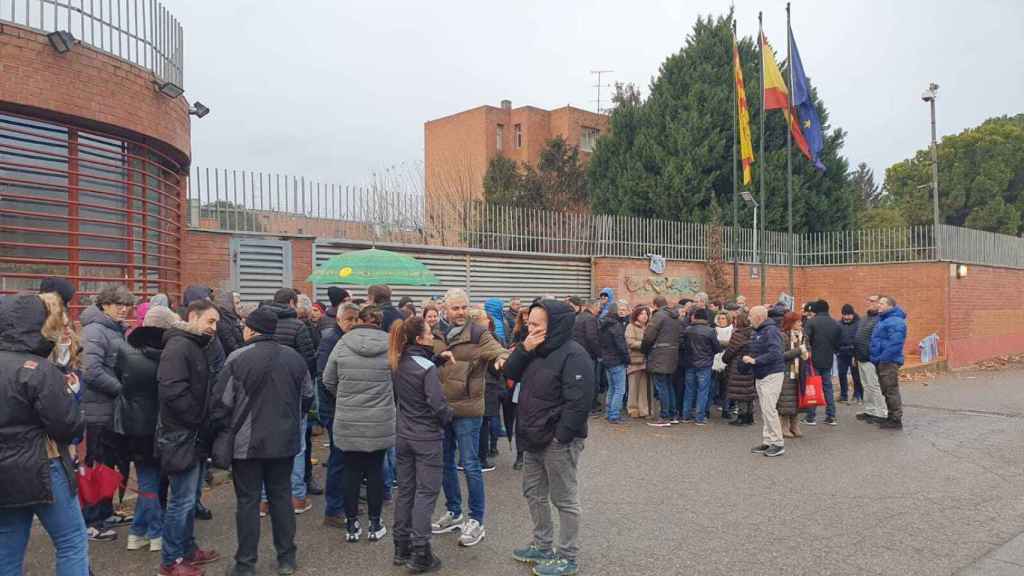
(207, 260)
(986, 317)
(91, 89)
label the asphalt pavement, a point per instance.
(944, 496)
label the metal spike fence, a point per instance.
(242, 201)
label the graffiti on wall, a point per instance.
(655, 285)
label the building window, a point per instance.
(588, 138)
(518, 135)
(500, 136)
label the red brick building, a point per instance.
(458, 148)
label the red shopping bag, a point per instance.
(98, 483)
(814, 394)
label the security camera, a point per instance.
(930, 94)
(198, 109)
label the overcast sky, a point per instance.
(335, 90)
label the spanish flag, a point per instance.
(742, 117)
(776, 96)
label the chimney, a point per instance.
(506, 104)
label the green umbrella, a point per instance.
(368, 267)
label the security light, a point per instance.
(198, 109)
(930, 94)
(169, 89)
(748, 198)
(61, 40)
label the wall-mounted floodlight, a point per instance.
(61, 40)
(169, 89)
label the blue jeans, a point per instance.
(830, 397)
(698, 391)
(334, 499)
(389, 472)
(62, 520)
(616, 389)
(299, 464)
(666, 395)
(464, 434)
(149, 517)
(179, 539)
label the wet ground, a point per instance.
(945, 496)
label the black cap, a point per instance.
(60, 286)
(262, 320)
(701, 314)
(848, 310)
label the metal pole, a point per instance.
(789, 155)
(735, 182)
(760, 39)
(935, 182)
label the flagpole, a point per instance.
(735, 184)
(761, 207)
(789, 156)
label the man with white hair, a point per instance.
(766, 361)
(473, 349)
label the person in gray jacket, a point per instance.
(358, 376)
(261, 394)
(423, 414)
(102, 339)
(875, 410)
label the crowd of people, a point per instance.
(409, 396)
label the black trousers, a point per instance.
(419, 467)
(249, 476)
(359, 466)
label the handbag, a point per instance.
(97, 483)
(814, 393)
(120, 411)
(178, 450)
(223, 451)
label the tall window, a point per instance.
(518, 135)
(500, 136)
(588, 138)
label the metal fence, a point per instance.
(276, 204)
(142, 32)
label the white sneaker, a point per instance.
(472, 533)
(137, 542)
(156, 544)
(447, 523)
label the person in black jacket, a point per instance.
(182, 439)
(229, 327)
(39, 418)
(844, 355)
(767, 361)
(615, 358)
(337, 296)
(822, 335)
(262, 395)
(381, 296)
(423, 414)
(291, 331)
(334, 500)
(586, 331)
(557, 377)
(701, 346)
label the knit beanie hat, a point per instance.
(160, 317)
(847, 310)
(262, 320)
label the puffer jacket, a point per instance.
(185, 387)
(358, 376)
(35, 405)
(464, 381)
(862, 343)
(889, 337)
(792, 383)
(137, 366)
(558, 385)
(586, 330)
(635, 342)
(848, 336)
(741, 383)
(102, 339)
(614, 350)
(423, 411)
(766, 349)
(294, 334)
(661, 341)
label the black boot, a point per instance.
(519, 462)
(403, 552)
(202, 512)
(423, 560)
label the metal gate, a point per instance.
(260, 267)
(483, 274)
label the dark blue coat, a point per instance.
(325, 402)
(766, 349)
(888, 338)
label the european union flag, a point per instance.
(809, 123)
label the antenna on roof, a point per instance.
(599, 85)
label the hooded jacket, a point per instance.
(102, 339)
(614, 350)
(423, 411)
(848, 336)
(610, 294)
(557, 387)
(137, 365)
(862, 342)
(278, 379)
(496, 310)
(358, 376)
(294, 334)
(35, 404)
(229, 327)
(586, 331)
(185, 386)
(889, 337)
(661, 341)
(465, 380)
(767, 350)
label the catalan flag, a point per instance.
(742, 117)
(776, 96)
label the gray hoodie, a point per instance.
(358, 375)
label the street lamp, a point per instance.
(749, 199)
(929, 96)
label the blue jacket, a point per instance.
(888, 338)
(611, 298)
(325, 402)
(766, 349)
